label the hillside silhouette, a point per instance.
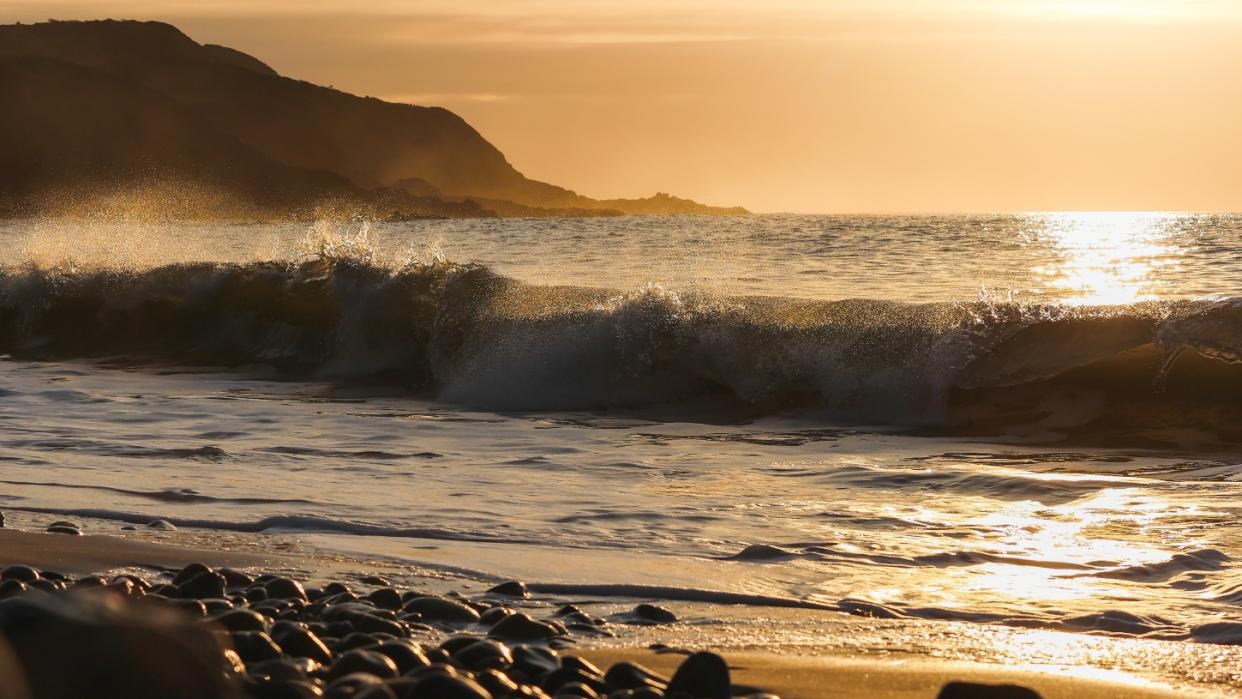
(92, 108)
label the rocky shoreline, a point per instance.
(223, 633)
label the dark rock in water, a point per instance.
(386, 598)
(19, 572)
(512, 588)
(190, 571)
(520, 627)
(1, 519)
(372, 623)
(64, 645)
(203, 586)
(367, 661)
(438, 686)
(255, 646)
(654, 614)
(761, 552)
(566, 610)
(702, 676)
(129, 528)
(284, 588)
(192, 607)
(162, 525)
(971, 690)
(371, 580)
(61, 529)
(440, 609)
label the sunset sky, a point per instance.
(790, 105)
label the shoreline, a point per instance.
(787, 670)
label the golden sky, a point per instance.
(790, 105)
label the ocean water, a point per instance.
(1027, 420)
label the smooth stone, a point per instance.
(276, 689)
(284, 588)
(360, 660)
(12, 588)
(303, 643)
(520, 627)
(162, 525)
(1, 520)
(493, 615)
(386, 598)
(497, 683)
(561, 677)
(90, 581)
(438, 686)
(278, 669)
(255, 646)
(44, 585)
(335, 588)
(235, 578)
(512, 588)
(574, 662)
(203, 586)
(484, 655)
(93, 646)
(70, 531)
(379, 691)
(567, 610)
(241, 620)
(628, 675)
(703, 675)
(192, 607)
(406, 655)
(576, 690)
(372, 580)
(20, 573)
(455, 643)
(971, 690)
(534, 660)
(440, 609)
(654, 613)
(192, 570)
(348, 686)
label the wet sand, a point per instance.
(792, 675)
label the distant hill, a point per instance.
(91, 107)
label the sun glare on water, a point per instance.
(1105, 258)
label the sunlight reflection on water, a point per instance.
(1106, 258)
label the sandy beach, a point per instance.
(784, 670)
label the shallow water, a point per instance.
(1030, 454)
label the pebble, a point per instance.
(440, 609)
(520, 627)
(162, 525)
(513, 588)
(971, 690)
(703, 675)
(64, 528)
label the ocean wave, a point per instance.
(473, 337)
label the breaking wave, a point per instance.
(1155, 372)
